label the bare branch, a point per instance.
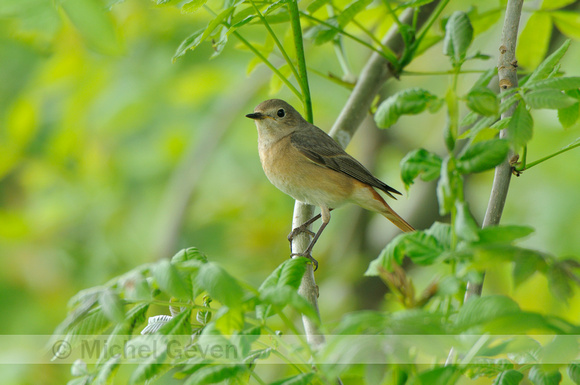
(507, 72)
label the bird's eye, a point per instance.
(281, 113)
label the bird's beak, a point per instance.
(256, 116)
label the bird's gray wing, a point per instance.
(320, 148)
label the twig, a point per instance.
(507, 72)
(372, 77)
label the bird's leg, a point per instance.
(308, 252)
(303, 228)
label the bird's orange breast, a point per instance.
(294, 174)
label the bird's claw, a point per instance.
(307, 255)
(297, 230)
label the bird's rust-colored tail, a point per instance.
(392, 216)
(378, 204)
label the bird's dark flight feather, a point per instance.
(320, 148)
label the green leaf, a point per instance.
(411, 101)
(481, 310)
(568, 23)
(458, 36)
(421, 163)
(481, 22)
(285, 295)
(520, 128)
(546, 67)
(446, 375)
(483, 101)
(559, 83)
(540, 377)
(299, 379)
(442, 233)
(508, 377)
(107, 371)
(180, 325)
(94, 24)
(112, 305)
(351, 10)
(534, 40)
(465, 226)
(445, 191)
(169, 280)
(315, 5)
(289, 273)
(569, 115)
(555, 4)
(482, 156)
(195, 39)
(148, 369)
(220, 285)
(526, 263)
(192, 6)
(504, 233)
(559, 282)
(211, 374)
(574, 373)
(548, 98)
(321, 34)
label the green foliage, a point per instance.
(408, 102)
(232, 315)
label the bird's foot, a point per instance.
(300, 229)
(307, 255)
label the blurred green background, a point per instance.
(111, 156)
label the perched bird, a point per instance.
(306, 163)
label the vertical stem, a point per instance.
(301, 61)
(507, 72)
(373, 76)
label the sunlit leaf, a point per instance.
(568, 23)
(520, 128)
(558, 83)
(94, 24)
(508, 377)
(465, 226)
(299, 379)
(411, 101)
(533, 40)
(220, 285)
(482, 156)
(483, 309)
(555, 4)
(546, 67)
(112, 305)
(351, 10)
(195, 39)
(538, 376)
(483, 101)
(574, 372)
(421, 163)
(458, 36)
(169, 280)
(548, 98)
(315, 5)
(289, 273)
(445, 375)
(192, 6)
(569, 115)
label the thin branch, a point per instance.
(277, 42)
(300, 59)
(372, 77)
(507, 72)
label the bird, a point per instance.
(304, 162)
